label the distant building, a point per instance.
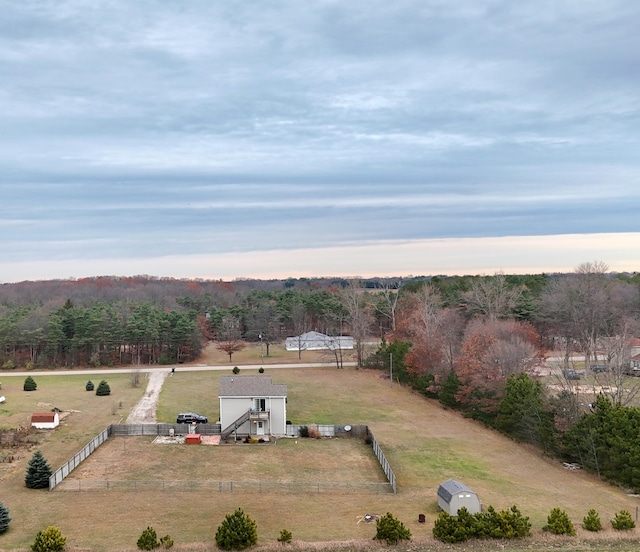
(316, 341)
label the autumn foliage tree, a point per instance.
(492, 350)
(435, 333)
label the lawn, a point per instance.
(424, 443)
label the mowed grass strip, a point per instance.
(424, 443)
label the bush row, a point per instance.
(511, 524)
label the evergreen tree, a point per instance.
(391, 530)
(89, 386)
(558, 523)
(522, 413)
(450, 388)
(103, 389)
(237, 532)
(4, 518)
(148, 540)
(38, 472)
(591, 521)
(623, 521)
(29, 384)
(49, 540)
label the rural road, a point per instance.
(167, 369)
(144, 412)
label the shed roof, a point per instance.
(43, 417)
(250, 386)
(452, 487)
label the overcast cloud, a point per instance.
(276, 138)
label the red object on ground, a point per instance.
(193, 439)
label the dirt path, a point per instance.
(145, 411)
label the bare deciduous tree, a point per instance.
(492, 296)
(359, 317)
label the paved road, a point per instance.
(179, 368)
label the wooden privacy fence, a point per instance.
(226, 486)
(326, 430)
(162, 429)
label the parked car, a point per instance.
(190, 417)
(598, 368)
(571, 374)
(633, 371)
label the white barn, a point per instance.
(253, 406)
(453, 495)
(45, 420)
(316, 341)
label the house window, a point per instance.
(260, 405)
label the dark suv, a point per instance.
(190, 417)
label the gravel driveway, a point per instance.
(145, 411)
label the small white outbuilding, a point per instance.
(453, 495)
(45, 420)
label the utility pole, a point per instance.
(390, 369)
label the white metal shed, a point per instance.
(453, 495)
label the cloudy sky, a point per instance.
(223, 139)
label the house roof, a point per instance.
(452, 487)
(43, 417)
(250, 386)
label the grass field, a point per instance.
(424, 443)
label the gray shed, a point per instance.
(453, 495)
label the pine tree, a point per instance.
(391, 530)
(148, 540)
(38, 472)
(591, 521)
(103, 389)
(89, 386)
(4, 518)
(558, 523)
(237, 532)
(29, 384)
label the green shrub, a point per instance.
(591, 521)
(9, 365)
(623, 521)
(166, 542)
(29, 384)
(447, 529)
(261, 370)
(558, 523)
(513, 525)
(89, 386)
(236, 370)
(148, 540)
(237, 532)
(505, 524)
(49, 540)
(285, 536)
(303, 431)
(103, 389)
(4, 518)
(38, 472)
(391, 530)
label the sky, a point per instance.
(274, 139)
